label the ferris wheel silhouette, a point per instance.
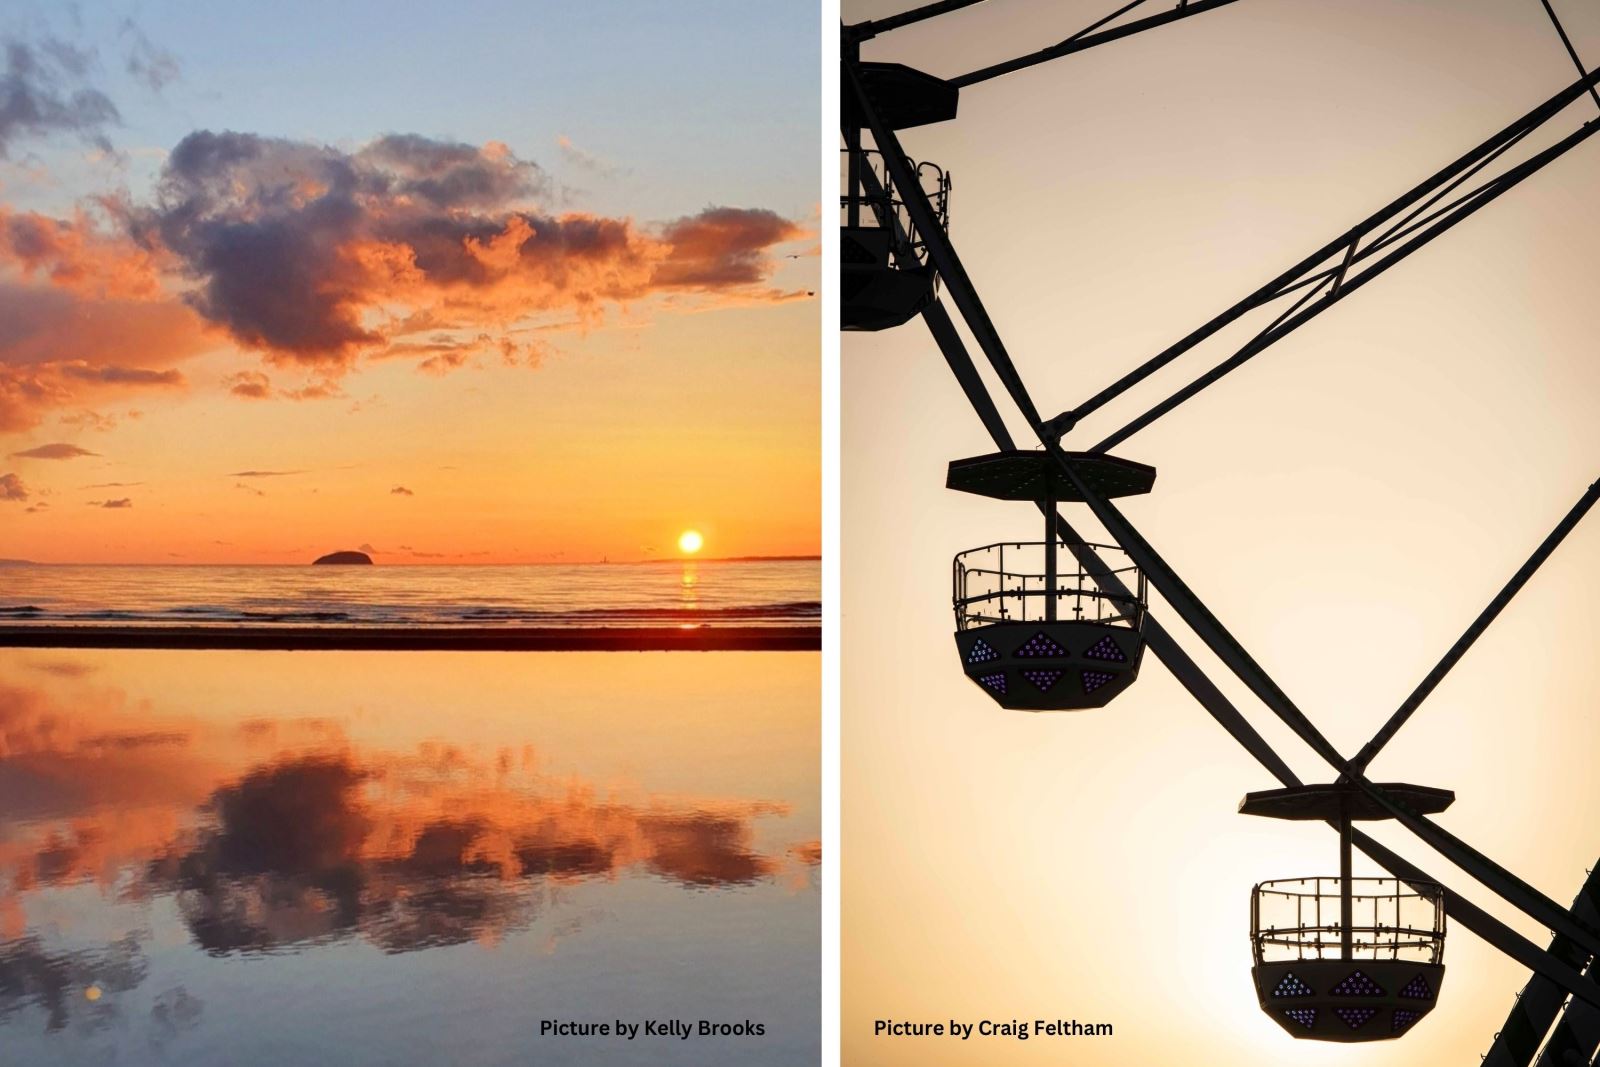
(1063, 623)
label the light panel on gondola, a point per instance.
(1106, 649)
(981, 653)
(1041, 646)
(1043, 680)
(1093, 680)
(1417, 989)
(1357, 985)
(1355, 1018)
(1306, 1017)
(1291, 986)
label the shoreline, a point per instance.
(419, 639)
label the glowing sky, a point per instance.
(522, 283)
(1345, 504)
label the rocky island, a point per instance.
(343, 558)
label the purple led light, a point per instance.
(1403, 1017)
(1292, 986)
(1355, 1018)
(1357, 985)
(996, 682)
(1106, 649)
(1043, 680)
(1417, 989)
(1306, 1017)
(1041, 646)
(981, 653)
(1093, 680)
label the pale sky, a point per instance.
(505, 282)
(1346, 504)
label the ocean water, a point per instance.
(692, 592)
(365, 858)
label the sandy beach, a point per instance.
(434, 639)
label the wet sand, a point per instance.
(414, 639)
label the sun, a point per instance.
(689, 542)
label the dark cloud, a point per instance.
(294, 248)
(11, 488)
(122, 503)
(401, 490)
(263, 474)
(58, 450)
(44, 91)
(112, 485)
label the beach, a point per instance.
(685, 638)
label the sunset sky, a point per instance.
(1345, 504)
(482, 287)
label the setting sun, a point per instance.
(690, 541)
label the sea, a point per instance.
(681, 592)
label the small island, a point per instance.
(345, 558)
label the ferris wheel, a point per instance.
(1063, 623)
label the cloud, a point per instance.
(249, 488)
(88, 253)
(123, 503)
(722, 247)
(121, 375)
(85, 419)
(60, 348)
(112, 485)
(263, 474)
(44, 90)
(252, 385)
(11, 488)
(587, 160)
(149, 64)
(317, 256)
(59, 450)
(401, 490)
(299, 250)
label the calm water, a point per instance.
(693, 592)
(405, 858)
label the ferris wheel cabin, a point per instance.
(1346, 959)
(885, 277)
(1032, 635)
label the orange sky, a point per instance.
(224, 346)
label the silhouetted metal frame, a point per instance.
(1541, 1000)
(1352, 259)
(1210, 630)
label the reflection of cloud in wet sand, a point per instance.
(300, 852)
(282, 833)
